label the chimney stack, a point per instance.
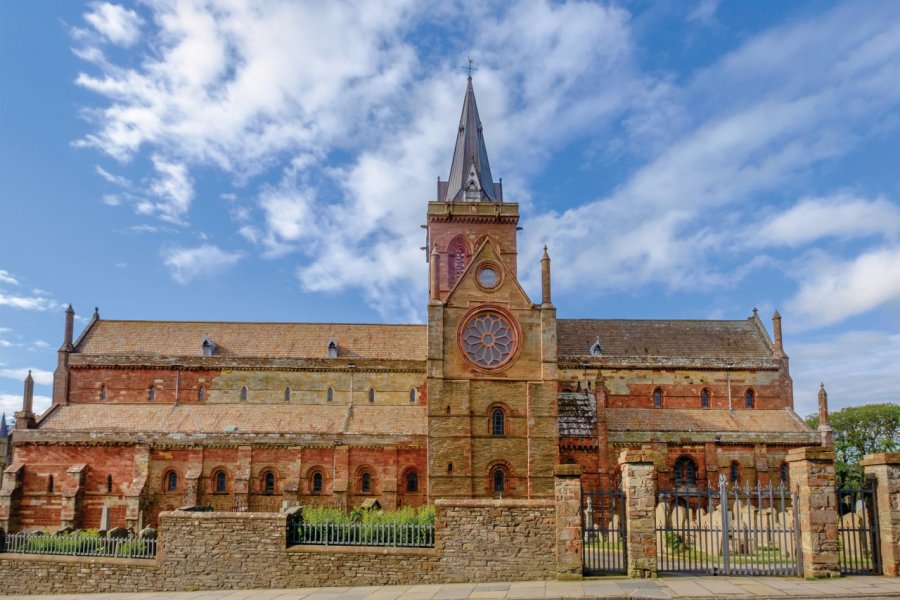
(545, 278)
(435, 264)
(776, 331)
(824, 428)
(25, 417)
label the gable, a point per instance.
(474, 286)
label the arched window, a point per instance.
(457, 257)
(151, 393)
(685, 471)
(329, 396)
(412, 482)
(220, 481)
(332, 349)
(269, 483)
(748, 399)
(365, 483)
(657, 398)
(201, 394)
(498, 422)
(449, 410)
(498, 480)
(50, 485)
(412, 396)
(317, 481)
(103, 392)
(449, 467)
(371, 395)
(109, 486)
(171, 481)
(785, 474)
(735, 471)
(287, 394)
(704, 398)
(244, 393)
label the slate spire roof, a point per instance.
(4, 431)
(470, 171)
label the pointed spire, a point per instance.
(470, 172)
(4, 429)
(70, 328)
(823, 405)
(776, 331)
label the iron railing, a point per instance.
(603, 527)
(722, 531)
(858, 530)
(78, 544)
(358, 534)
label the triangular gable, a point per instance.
(509, 290)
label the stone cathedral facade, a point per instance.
(482, 401)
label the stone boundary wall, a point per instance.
(487, 540)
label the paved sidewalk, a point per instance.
(682, 588)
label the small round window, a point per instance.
(488, 277)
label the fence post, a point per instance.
(812, 473)
(569, 535)
(885, 468)
(639, 485)
(726, 525)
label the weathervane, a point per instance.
(471, 67)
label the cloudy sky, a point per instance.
(271, 161)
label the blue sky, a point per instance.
(271, 161)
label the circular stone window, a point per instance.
(488, 277)
(488, 340)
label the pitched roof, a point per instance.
(577, 415)
(696, 420)
(470, 159)
(663, 338)
(248, 418)
(254, 340)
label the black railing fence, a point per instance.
(858, 540)
(409, 535)
(727, 530)
(603, 527)
(78, 544)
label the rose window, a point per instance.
(488, 340)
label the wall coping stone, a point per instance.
(881, 458)
(216, 515)
(148, 563)
(567, 470)
(395, 550)
(494, 503)
(816, 453)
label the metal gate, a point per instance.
(858, 541)
(727, 531)
(603, 524)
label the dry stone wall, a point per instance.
(484, 540)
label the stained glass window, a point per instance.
(488, 340)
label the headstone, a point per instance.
(64, 531)
(104, 518)
(117, 532)
(147, 533)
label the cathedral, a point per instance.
(480, 402)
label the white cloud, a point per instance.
(40, 376)
(207, 260)
(842, 216)
(28, 302)
(111, 178)
(7, 277)
(853, 374)
(10, 403)
(704, 12)
(117, 24)
(832, 290)
(174, 189)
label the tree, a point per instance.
(861, 430)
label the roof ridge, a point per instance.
(419, 325)
(657, 320)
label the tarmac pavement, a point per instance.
(681, 588)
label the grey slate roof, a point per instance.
(470, 154)
(577, 415)
(743, 339)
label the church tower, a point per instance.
(491, 351)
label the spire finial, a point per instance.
(471, 67)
